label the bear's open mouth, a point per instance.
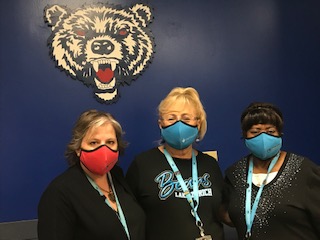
(105, 87)
(104, 69)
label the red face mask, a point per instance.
(100, 160)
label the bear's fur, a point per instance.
(102, 45)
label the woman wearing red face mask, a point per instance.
(91, 200)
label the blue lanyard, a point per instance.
(193, 200)
(250, 212)
(120, 212)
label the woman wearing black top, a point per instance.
(178, 186)
(91, 200)
(273, 194)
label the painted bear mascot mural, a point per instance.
(102, 45)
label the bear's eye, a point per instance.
(123, 32)
(80, 32)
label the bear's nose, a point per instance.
(102, 47)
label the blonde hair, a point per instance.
(189, 96)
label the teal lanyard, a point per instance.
(120, 212)
(193, 200)
(250, 212)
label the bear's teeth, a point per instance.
(96, 66)
(113, 65)
(105, 86)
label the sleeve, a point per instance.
(227, 186)
(313, 197)
(226, 191)
(56, 218)
(219, 180)
(132, 178)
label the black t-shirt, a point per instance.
(289, 207)
(71, 209)
(160, 195)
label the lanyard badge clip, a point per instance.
(247, 236)
(202, 234)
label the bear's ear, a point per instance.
(143, 13)
(54, 13)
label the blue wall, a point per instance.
(232, 52)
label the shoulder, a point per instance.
(300, 162)
(208, 164)
(205, 158)
(238, 165)
(149, 153)
(306, 173)
(61, 188)
(147, 156)
(237, 171)
(304, 164)
(69, 179)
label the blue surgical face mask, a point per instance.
(179, 135)
(264, 146)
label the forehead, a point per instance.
(101, 131)
(180, 107)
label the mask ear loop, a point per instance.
(199, 127)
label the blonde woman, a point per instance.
(178, 186)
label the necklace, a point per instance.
(110, 194)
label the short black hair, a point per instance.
(261, 113)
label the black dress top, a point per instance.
(71, 209)
(289, 207)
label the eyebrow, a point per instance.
(259, 128)
(176, 114)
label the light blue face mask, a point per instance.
(264, 146)
(179, 135)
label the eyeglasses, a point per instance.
(172, 118)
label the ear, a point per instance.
(198, 124)
(159, 123)
(54, 13)
(143, 13)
